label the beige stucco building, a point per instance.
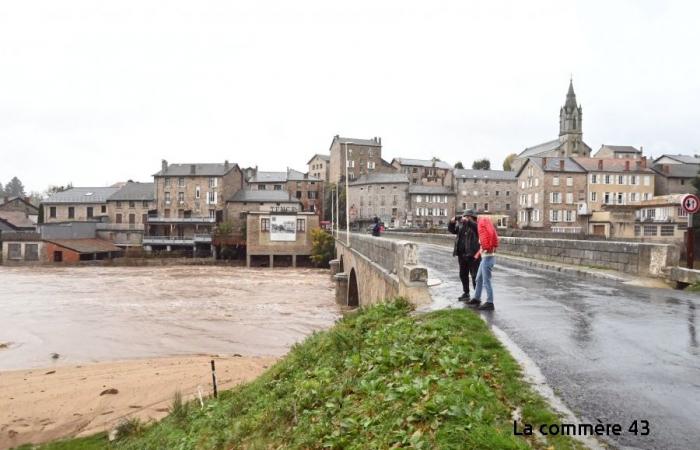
(279, 237)
(320, 167)
(619, 181)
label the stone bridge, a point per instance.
(371, 269)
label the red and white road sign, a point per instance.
(690, 203)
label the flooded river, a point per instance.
(89, 314)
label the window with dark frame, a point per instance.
(265, 225)
(301, 225)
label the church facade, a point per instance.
(570, 141)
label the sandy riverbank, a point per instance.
(38, 405)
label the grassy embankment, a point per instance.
(380, 378)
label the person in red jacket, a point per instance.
(488, 240)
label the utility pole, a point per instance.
(347, 199)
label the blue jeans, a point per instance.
(483, 278)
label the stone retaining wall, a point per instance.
(643, 259)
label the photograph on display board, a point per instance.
(283, 228)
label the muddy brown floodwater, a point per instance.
(83, 348)
(91, 314)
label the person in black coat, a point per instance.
(466, 248)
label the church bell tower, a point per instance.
(571, 126)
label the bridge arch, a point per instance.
(353, 291)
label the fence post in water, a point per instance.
(213, 378)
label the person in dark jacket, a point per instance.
(466, 249)
(377, 228)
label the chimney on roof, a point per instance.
(627, 165)
(164, 166)
(544, 162)
(379, 140)
(193, 169)
(600, 164)
(226, 165)
(561, 164)
(644, 162)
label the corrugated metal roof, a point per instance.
(262, 196)
(423, 163)
(82, 195)
(87, 245)
(134, 191)
(380, 178)
(418, 189)
(501, 175)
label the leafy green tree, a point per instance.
(322, 247)
(459, 165)
(508, 162)
(482, 164)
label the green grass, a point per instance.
(380, 378)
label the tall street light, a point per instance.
(347, 199)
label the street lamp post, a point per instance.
(347, 199)
(332, 212)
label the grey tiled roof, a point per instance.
(553, 164)
(207, 169)
(280, 177)
(611, 165)
(380, 178)
(418, 189)
(319, 155)
(262, 196)
(501, 175)
(268, 177)
(134, 191)
(347, 140)
(422, 163)
(685, 159)
(82, 195)
(540, 148)
(677, 170)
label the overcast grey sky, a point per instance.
(97, 92)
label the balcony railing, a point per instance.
(182, 220)
(120, 226)
(568, 230)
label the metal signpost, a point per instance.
(690, 204)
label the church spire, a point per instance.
(570, 96)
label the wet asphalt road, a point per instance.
(611, 352)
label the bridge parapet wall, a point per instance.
(383, 268)
(637, 258)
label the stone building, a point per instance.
(487, 191)
(383, 195)
(320, 167)
(127, 214)
(247, 201)
(426, 172)
(618, 152)
(570, 141)
(279, 237)
(190, 200)
(308, 190)
(550, 191)
(77, 204)
(364, 156)
(675, 174)
(616, 182)
(17, 214)
(430, 206)
(19, 204)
